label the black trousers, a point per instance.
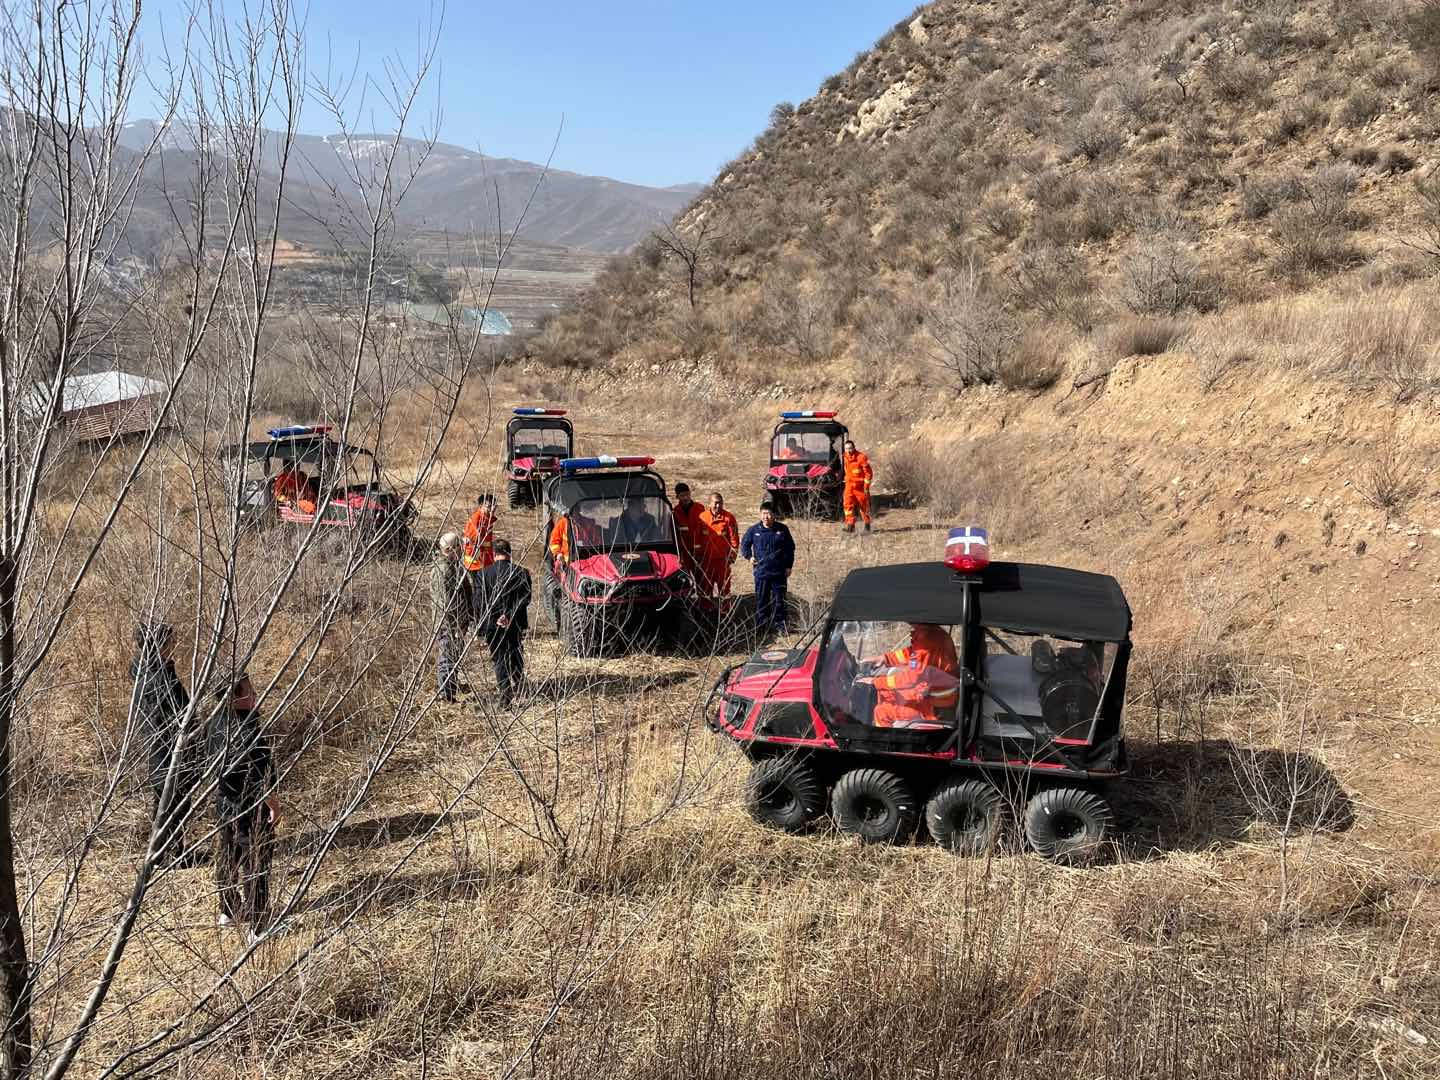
(509, 660)
(170, 817)
(242, 866)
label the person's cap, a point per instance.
(682, 487)
(449, 541)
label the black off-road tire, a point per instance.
(1068, 825)
(517, 494)
(965, 816)
(577, 630)
(875, 805)
(554, 598)
(784, 794)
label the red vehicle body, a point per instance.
(1045, 723)
(624, 583)
(537, 439)
(805, 473)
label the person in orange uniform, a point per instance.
(858, 477)
(724, 545)
(289, 483)
(691, 532)
(920, 682)
(480, 535)
(560, 539)
(914, 697)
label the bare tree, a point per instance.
(690, 247)
(160, 524)
(970, 330)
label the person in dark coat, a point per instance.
(159, 703)
(502, 602)
(246, 809)
(771, 549)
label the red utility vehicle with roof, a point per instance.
(1011, 687)
(344, 496)
(619, 582)
(806, 474)
(537, 439)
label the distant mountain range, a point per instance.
(455, 191)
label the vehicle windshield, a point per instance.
(540, 442)
(358, 468)
(616, 523)
(810, 447)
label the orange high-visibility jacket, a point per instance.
(858, 473)
(479, 540)
(912, 694)
(560, 539)
(930, 647)
(690, 528)
(726, 530)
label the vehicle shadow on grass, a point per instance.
(1186, 795)
(379, 831)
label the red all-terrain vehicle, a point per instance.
(952, 693)
(806, 474)
(338, 488)
(536, 441)
(619, 583)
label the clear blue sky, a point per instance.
(651, 91)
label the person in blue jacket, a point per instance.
(771, 549)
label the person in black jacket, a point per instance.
(246, 809)
(502, 602)
(159, 704)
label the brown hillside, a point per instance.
(989, 172)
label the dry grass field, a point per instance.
(573, 889)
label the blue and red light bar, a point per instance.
(809, 414)
(530, 411)
(967, 550)
(605, 461)
(298, 429)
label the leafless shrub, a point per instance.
(1392, 479)
(1237, 80)
(1001, 217)
(1294, 119)
(1160, 277)
(1259, 195)
(970, 331)
(1359, 107)
(1268, 35)
(1422, 31)
(1095, 136)
(1311, 232)
(1055, 283)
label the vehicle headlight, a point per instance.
(680, 581)
(521, 472)
(591, 587)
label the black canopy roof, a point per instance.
(1023, 597)
(304, 448)
(544, 423)
(567, 489)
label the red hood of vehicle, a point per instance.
(611, 567)
(768, 679)
(537, 464)
(813, 470)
